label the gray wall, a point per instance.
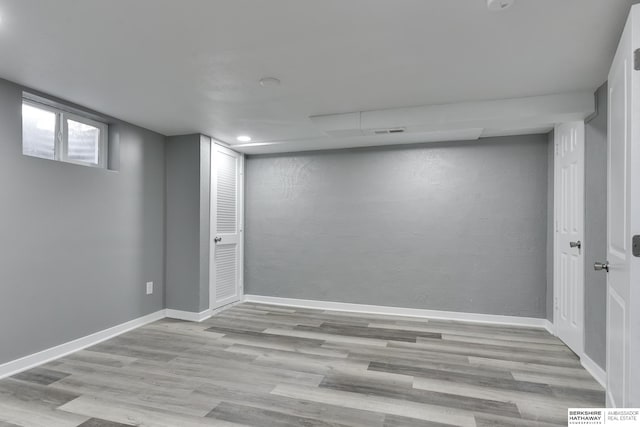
(77, 243)
(458, 226)
(596, 230)
(187, 231)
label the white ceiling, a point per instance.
(186, 66)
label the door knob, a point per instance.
(217, 239)
(577, 244)
(601, 266)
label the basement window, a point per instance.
(51, 131)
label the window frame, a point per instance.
(61, 137)
(56, 130)
(102, 144)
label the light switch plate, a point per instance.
(149, 288)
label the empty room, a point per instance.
(365, 213)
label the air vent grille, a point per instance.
(388, 131)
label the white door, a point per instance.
(226, 226)
(623, 221)
(569, 231)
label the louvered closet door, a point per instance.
(226, 226)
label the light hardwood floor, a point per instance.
(262, 365)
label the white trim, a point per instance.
(241, 228)
(594, 369)
(44, 356)
(102, 143)
(61, 145)
(548, 325)
(224, 307)
(399, 311)
(63, 106)
(213, 183)
(31, 361)
(190, 316)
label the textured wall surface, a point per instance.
(458, 226)
(188, 159)
(77, 244)
(596, 231)
(183, 215)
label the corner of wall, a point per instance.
(550, 217)
(164, 232)
(182, 233)
(205, 219)
(595, 229)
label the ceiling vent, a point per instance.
(496, 5)
(385, 131)
(408, 123)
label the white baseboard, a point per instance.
(33, 360)
(399, 311)
(190, 316)
(226, 307)
(595, 370)
(588, 364)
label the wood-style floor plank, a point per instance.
(265, 365)
(259, 417)
(35, 414)
(385, 405)
(375, 387)
(138, 415)
(96, 422)
(300, 408)
(40, 375)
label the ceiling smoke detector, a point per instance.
(499, 4)
(269, 82)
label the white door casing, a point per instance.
(226, 264)
(568, 234)
(623, 221)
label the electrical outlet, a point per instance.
(149, 288)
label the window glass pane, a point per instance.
(83, 142)
(38, 132)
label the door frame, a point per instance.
(215, 145)
(624, 272)
(581, 135)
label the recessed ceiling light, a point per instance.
(244, 138)
(269, 82)
(499, 4)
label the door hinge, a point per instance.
(636, 59)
